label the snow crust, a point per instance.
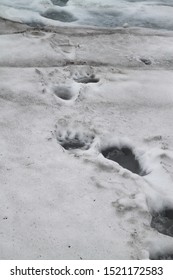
(76, 204)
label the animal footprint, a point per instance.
(85, 75)
(63, 92)
(87, 79)
(125, 157)
(70, 140)
(63, 46)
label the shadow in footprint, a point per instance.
(63, 93)
(163, 221)
(72, 141)
(161, 257)
(87, 79)
(124, 157)
(146, 61)
(59, 15)
(59, 2)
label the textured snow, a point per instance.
(113, 13)
(75, 204)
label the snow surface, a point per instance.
(102, 13)
(76, 204)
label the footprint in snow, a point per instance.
(125, 157)
(64, 47)
(63, 92)
(87, 79)
(71, 140)
(85, 75)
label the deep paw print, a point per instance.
(63, 92)
(75, 140)
(125, 157)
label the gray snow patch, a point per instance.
(59, 2)
(62, 16)
(163, 221)
(161, 256)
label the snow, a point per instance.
(76, 204)
(101, 13)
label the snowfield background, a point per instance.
(95, 88)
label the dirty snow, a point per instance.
(60, 197)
